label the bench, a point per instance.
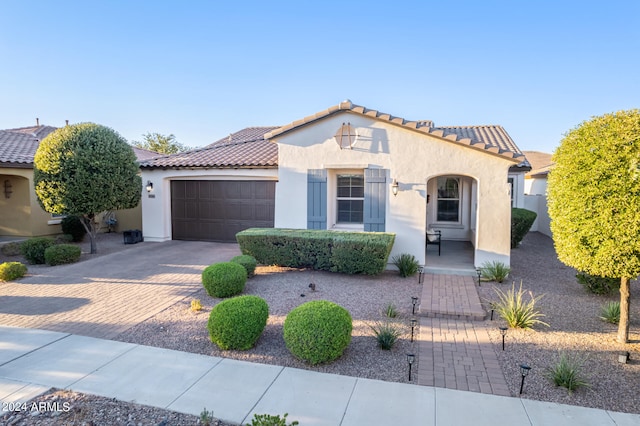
(434, 238)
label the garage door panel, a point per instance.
(217, 210)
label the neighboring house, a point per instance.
(20, 211)
(337, 169)
(535, 189)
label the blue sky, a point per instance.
(204, 69)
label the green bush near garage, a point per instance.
(224, 279)
(249, 263)
(521, 222)
(336, 251)
(72, 225)
(33, 249)
(61, 254)
(10, 271)
(237, 323)
(318, 331)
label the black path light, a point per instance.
(410, 359)
(493, 308)
(414, 302)
(420, 274)
(479, 272)
(413, 325)
(503, 331)
(524, 371)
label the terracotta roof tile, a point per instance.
(244, 149)
(490, 138)
(18, 146)
(541, 163)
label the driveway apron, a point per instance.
(105, 296)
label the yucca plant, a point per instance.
(406, 263)
(494, 271)
(386, 334)
(515, 310)
(390, 310)
(610, 312)
(567, 372)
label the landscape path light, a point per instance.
(503, 331)
(479, 273)
(420, 274)
(410, 359)
(413, 325)
(524, 372)
(414, 302)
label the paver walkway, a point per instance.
(105, 296)
(454, 346)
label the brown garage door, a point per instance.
(208, 210)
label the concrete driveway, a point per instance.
(106, 295)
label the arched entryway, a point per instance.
(452, 215)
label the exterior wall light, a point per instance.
(394, 187)
(7, 189)
(149, 186)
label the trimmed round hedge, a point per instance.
(62, 253)
(224, 279)
(33, 249)
(249, 263)
(318, 331)
(10, 271)
(237, 323)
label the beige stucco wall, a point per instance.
(156, 206)
(411, 158)
(21, 214)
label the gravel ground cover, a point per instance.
(574, 328)
(571, 312)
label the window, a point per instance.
(350, 198)
(448, 199)
(511, 182)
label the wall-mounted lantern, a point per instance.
(149, 186)
(394, 187)
(8, 189)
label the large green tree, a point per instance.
(85, 169)
(594, 201)
(163, 144)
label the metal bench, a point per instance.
(434, 238)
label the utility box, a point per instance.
(132, 236)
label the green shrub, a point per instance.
(521, 222)
(10, 271)
(11, 249)
(386, 334)
(248, 262)
(62, 253)
(494, 271)
(33, 249)
(567, 372)
(63, 239)
(406, 263)
(224, 279)
(610, 312)
(390, 311)
(517, 312)
(237, 323)
(318, 331)
(598, 285)
(270, 420)
(73, 226)
(346, 252)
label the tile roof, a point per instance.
(541, 163)
(18, 146)
(490, 138)
(244, 149)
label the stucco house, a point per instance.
(345, 168)
(20, 212)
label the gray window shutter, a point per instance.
(317, 199)
(375, 197)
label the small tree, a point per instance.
(594, 201)
(85, 169)
(162, 144)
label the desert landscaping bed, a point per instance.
(569, 309)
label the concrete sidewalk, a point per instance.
(32, 361)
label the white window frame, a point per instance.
(460, 181)
(332, 198)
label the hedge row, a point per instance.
(346, 252)
(521, 222)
